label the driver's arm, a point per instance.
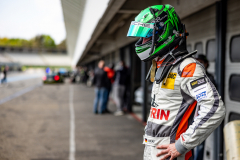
(212, 110)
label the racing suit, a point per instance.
(173, 107)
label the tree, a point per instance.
(3, 41)
(62, 45)
(43, 41)
(38, 42)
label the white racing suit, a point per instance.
(172, 111)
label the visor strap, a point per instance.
(153, 43)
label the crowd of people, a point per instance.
(109, 79)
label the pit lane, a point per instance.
(36, 125)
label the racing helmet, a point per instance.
(159, 29)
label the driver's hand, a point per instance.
(170, 151)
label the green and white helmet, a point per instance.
(159, 29)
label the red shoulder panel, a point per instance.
(189, 70)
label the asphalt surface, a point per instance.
(36, 125)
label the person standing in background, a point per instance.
(110, 74)
(85, 75)
(4, 79)
(119, 86)
(101, 82)
(203, 59)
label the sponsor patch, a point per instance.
(142, 24)
(148, 141)
(199, 88)
(202, 95)
(198, 82)
(161, 18)
(170, 81)
(159, 114)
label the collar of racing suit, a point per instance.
(160, 69)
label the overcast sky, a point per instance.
(28, 18)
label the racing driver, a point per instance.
(179, 84)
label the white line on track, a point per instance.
(19, 93)
(72, 146)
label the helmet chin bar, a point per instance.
(164, 50)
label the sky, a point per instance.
(28, 18)
(87, 26)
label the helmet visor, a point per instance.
(139, 29)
